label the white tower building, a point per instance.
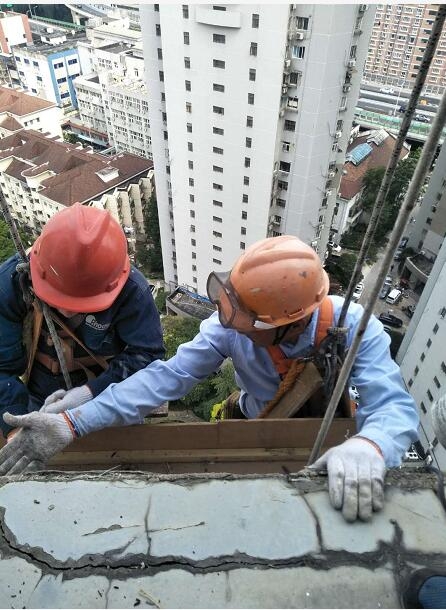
(250, 109)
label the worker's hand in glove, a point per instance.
(356, 472)
(62, 400)
(41, 436)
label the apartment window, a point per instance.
(218, 131)
(437, 383)
(298, 51)
(435, 329)
(156, 7)
(188, 107)
(220, 38)
(281, 203)
(294, 78)
(194, 267)
(285, 167)
(429, 395)
(248, 142)
(219, 8)
(415, 372)
(192, 198)
(217, 169)
(194, 255)
(410, 383)
(164, 115)
(193, 242)
(161, 75)
(192, 228)
(302, 23)
(422, 357)
(219, 204)
(194, 279)
(246, 180)
(245, 198)
(160, 53)
(186, 38)
(252, 74)
(189, 127)
(255, 20)
(289, 125)
(217, 87)
(187, 62)
(218, 63)
(163, 96)
(286, 146)
(217, 219)
(217, 151)
(247, 162)
(429, 342)
(191, 182)
(282, 185)
(244, 215)
(216, 261)
(187, 85)
(443, 367)
(243, 231)
(253, 49)
(242, 245)
(190, 146)
(190, 164)
(217, 187)
(218, 109)
(157, 29)
(249, 121)
(185, 11)
(251, 98)
(423, 407)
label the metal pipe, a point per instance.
(410, 199)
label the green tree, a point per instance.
(178, 330)
(7, 247)
(341, 268)
(160, 300)
(149, 254)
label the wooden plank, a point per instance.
(303, 388)
(226, 434)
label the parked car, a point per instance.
(390, 319)
(422, 118)
(385, 291)
(358, 291)
(403, 242)
(398, 254)
(394, 296)
(402, 108)
(387, 90)
(334, 249)
(409, 310)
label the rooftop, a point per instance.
(19, 103)
(371, 150)
(75, 173)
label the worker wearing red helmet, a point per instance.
(110, 328)
(274, 295)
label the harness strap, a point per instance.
(37, 327)
(324, 322)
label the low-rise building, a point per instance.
(40, 176)
(372, 149)
(18, 111)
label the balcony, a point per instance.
(419, 266)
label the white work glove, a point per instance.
(62, 400)
(438, 416)
(41, 436)
(356, 472)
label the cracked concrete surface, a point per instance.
(77, 540)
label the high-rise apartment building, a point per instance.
(250, 113)
(422, 355)
(399, 36)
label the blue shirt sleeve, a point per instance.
(131, 400)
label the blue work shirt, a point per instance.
(386, 414)
(129, 332)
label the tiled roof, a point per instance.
(351, 181)
(76, 172)
(10, 123)
(21, 104)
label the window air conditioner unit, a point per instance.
(362, 8)
(284, 88)
(282, 112)
(351, 63)
(328, 192)
(346, 88)
(299, 36)
(331, 174)
(338, 134)
(287, 63)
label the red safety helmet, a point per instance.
(277, 281)
(80, 261)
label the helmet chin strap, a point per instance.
(283, 330)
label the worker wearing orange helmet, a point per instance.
(109, 325)
(273, 295)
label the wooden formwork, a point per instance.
(235, 446)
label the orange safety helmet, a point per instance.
(80, 261)
(277, 281)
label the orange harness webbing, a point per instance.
(325, 320)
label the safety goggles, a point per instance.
(231, 312)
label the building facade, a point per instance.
(48, 71)
(399, 36)
(250, 108)
(14, 30)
